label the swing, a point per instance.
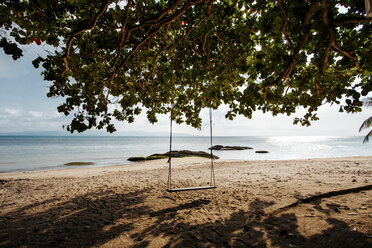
(212, 183)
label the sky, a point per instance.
(24, 107)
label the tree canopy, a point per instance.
(115, 59)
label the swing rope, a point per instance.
(213, 180)
(169, 185)
(212, 183)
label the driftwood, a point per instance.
(174, 154)
(321, 196)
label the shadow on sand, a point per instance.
(94, 219)
(84, 221)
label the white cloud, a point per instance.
(12, 112)
(56, 115)
(18, 120)
(35, 114)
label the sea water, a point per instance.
(28, 153)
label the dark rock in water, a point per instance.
(261, 151)
(187, 153)
(216, 147)
(174, 154)
(136, 159)
(78, 163)
(223, 148)
(153, 157)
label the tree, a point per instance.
(367, 123)
(114, 59)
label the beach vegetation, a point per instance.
(113, 60)
(368, 122)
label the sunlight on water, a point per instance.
(301, 139)
(303, 146)
(37, 153)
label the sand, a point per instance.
(127, 206)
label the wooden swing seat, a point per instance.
(191, 188)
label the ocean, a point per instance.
(31, 153)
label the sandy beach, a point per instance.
(295, 203)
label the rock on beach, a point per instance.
(224, 148)
(174, 154)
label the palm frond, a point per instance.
(367, 102)
(366, 138)
(366, 124)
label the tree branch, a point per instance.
(160, 25)
(73, 35)
(158, 20)
(188, 32)
(223, 45)
(324, 67)
(230, 9)
(332, 34)
(36, 6)
(203, 47)
(285, 15)
(122, 40)
(340, 22)
(156, 58)
(306, 33)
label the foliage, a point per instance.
(368, 122)
(114, 59)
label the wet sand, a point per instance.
(256, 204)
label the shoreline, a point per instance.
(254, 205)
(133, 164)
